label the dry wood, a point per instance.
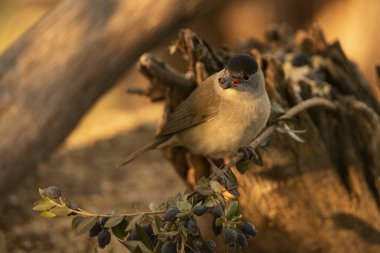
(53, 73)
(322, 196)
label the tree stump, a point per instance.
(317, 196)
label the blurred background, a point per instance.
(83, 166)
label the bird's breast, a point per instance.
(236, 124)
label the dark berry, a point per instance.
(248, 229)
(104, 238)
(171, 213)
(72, 206)
(217, 229)
(231, 237)
(217, 211)
(154, 239)
(192, 227)
(52, 192)
(168, 247)
(148, 229)
(242, 240)
(133, 235)
(95, 230)
(199, 210)
(103, 221)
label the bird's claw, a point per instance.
(249, 152)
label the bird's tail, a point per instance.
(143, 149)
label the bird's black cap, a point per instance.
(242, 63)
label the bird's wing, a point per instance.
(200, 106)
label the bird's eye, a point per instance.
(245, 77)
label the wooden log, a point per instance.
(54, 72)
(322, 196)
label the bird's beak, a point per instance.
(227, 82)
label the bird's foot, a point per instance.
(249, 152)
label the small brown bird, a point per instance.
(225, 112)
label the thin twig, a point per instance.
(88, 214)
(306, 104)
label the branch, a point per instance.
(88, 214)
(88, 45)
(154, 68)
(306, 104)
(162, 76)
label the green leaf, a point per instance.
(153, 207)
(184, 205)
(178, 197)
(276, 107)
(47, 214)
(85, 225)
(202, 182)
(135, 220)
(238, 217)
(219, 222)
(60, 210)
(163, 236)
(180, 215)
(113, 221)
(233, 210)
(144, 237)
(216, 186)
(243, 166)
(43, 205)
(157, 224)
(42, 193)
(187, 192)
(75, 222)
(119, 229)
(210, 202)
(205, 190)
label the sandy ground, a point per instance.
(88, 177)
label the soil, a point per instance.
(88, 177)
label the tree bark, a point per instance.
(52, 74)
(318, 196)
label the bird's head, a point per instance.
(241, 73)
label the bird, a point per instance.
(222, 114)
